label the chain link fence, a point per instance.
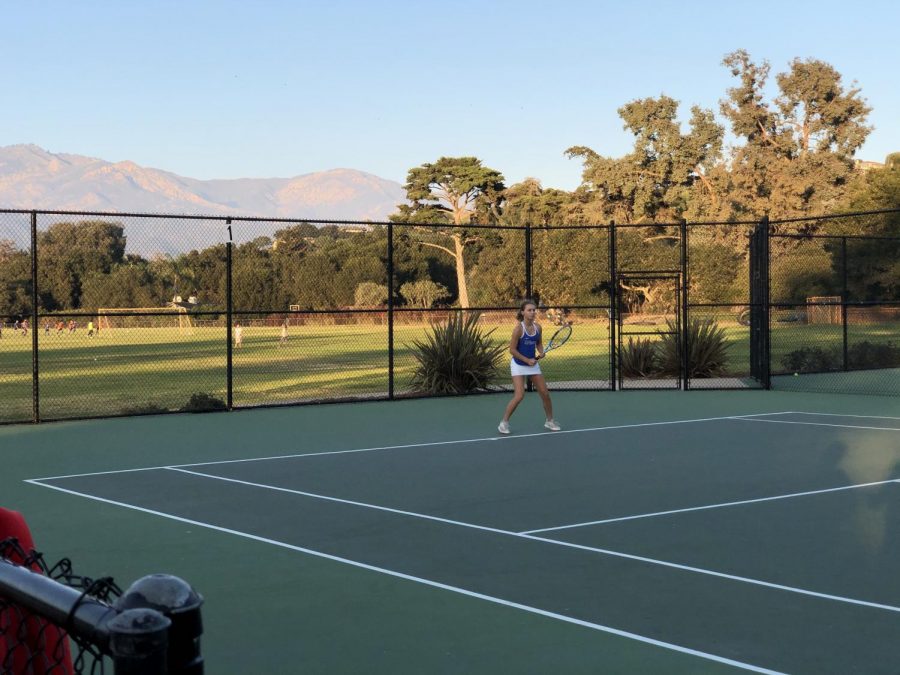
(835, 296)
(123, 314)
(56, 622)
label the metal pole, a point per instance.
(844, 297)
(613, 305)
(229, 351)
(682, 321)
(529, 290)
(390, 308)
(767, 290)
(35, 369)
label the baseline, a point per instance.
(412, 445)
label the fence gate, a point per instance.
(650, 343)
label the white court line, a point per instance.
(869, 417)
(412, 445)
(708, 506)
(339, 500)
(555, 542)
(436, 584)
(819, 424)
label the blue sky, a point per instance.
(263, 89)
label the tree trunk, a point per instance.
(459, 247)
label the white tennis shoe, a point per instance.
(503, 427)
(552, 425)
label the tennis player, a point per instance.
(527, 349)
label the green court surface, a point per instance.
(659, 532)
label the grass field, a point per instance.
(140, 369)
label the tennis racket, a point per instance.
(559, 338)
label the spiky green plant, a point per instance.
(707, 349)
(456, 357)
(639, 358)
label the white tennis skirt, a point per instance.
(515, 369)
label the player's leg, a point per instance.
(541, 386)
(518, 395)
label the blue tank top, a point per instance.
(527, 344)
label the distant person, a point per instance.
(60, 327)
(72, 326)
(90, 329)
(46, 328)
(283, 339)
(238, 335)
(24, 327)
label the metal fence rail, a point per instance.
(55, 622)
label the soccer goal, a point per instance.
(109, 318)
(823, 309)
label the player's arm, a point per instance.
(539, 348)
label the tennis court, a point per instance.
(658, 532)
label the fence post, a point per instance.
(35, 369)
(844, 293)
(685, 331)
(613, 305)
(528, 268)
(228, 320)
(390, 307)
(767, 314)
(178, 602)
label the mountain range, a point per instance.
(34, 178)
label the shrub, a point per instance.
(639, 358)
(370, 294)
(707, 349)
(456, 357)
(812, 360)
(423, 293)
(203, 402)
(867, 354)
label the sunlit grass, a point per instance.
(128, 369)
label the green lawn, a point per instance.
(130, 369)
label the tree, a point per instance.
(450, 191)
(528, 203)
(15, 280)
(370, 294)
(797, 153)
(69, 252)
(127, 285)
(295, 238)
(664, 172)
(176, 273)
(873, 267)
(423, 293)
